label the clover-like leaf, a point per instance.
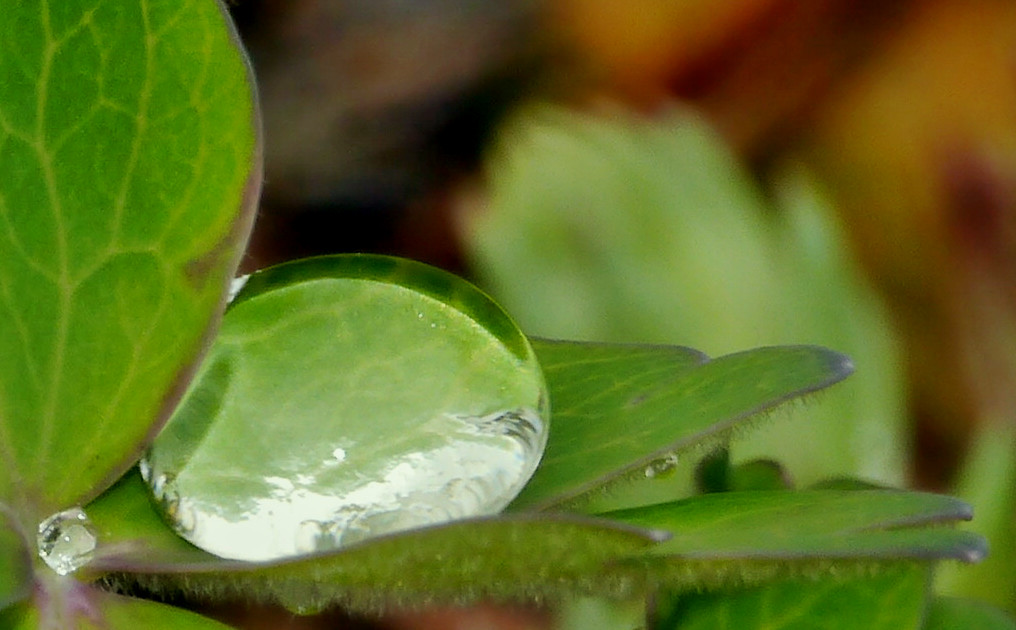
(893, 600)
(744, 537)
(617, 407)
(128, 144)
(509, 558)
(718, 540)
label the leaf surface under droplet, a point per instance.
(130, 170)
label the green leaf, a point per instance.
(893, 600)
(127, 135)
(988, 481)
(514, 558)
(618, 408)
(750, 536)
(954, 613)
(719, 540)
(346, 397)
(15, 561)
(90, 609)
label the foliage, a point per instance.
(130, 144)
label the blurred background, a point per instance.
(720, 174)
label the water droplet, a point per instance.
(661, 466)
(66, 540)
(430, 426)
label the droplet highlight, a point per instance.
(662, 467)
(67, 540)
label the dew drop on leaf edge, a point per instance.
(66, 540)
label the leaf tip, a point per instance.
(841, 365)
(972, 550)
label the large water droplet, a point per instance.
(66, 540)
(337, 409)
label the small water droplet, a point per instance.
(661, 466)
(66, 540)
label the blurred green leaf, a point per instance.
(15, 561)
(893, 600)
(953, 613)
(615, 414)
(127, 136)
(988, 481)
(627, 228)
(750, 536)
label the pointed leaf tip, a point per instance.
(617, 408)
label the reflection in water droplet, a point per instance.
(477, 469)
(314, 536)
(661, 466)
(66, 540)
